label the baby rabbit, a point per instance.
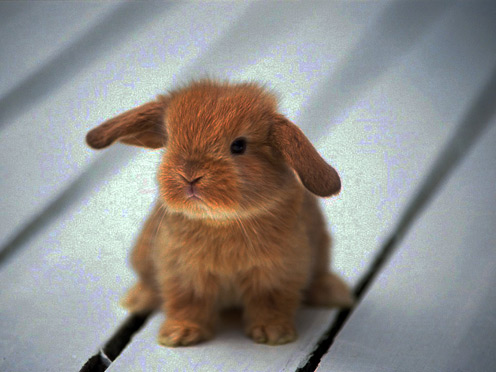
(237, 222)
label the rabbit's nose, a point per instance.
(195, 180)
(192, 190)
(191, 181)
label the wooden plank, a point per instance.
(34, 33)
(59, 297)
(433, 307)
(472, 24)
(389, 141)
(382, 144)
(21, 277)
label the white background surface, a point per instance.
(433, 308)
(378, 88)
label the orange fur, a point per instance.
(252, 236)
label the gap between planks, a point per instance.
(476, 120)
(114, 346)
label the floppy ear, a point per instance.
(142, 126)
(315, 174)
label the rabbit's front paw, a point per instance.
(176, 333)
(273, 334)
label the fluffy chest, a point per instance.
(225, 249)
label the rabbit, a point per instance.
(237, 222)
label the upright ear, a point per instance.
(142, 126)
(315, 174)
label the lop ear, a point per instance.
(142, 126)
(315, 174)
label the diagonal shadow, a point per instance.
(115, 158)
(474, 123)
(10, 9)
(396, 31)
(478, 333)
(110, 32)
(258, 29)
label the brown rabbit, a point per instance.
(234, 224)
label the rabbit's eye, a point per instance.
(238, 146)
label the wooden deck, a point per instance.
(399, 96)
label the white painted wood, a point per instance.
(433, 308)
(229, 351)
(382, 142)
(44, 150)
(59, 296)
(34, 32)
(385, 143)
(73, 308)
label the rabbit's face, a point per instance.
(218, 162)
(228, 153)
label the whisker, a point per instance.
(243, 230)
(160, 209)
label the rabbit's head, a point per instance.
(228, 152)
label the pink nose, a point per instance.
(191, 190)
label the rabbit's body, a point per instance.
(234, 225)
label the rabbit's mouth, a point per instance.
(196, 199)
(192, 192)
